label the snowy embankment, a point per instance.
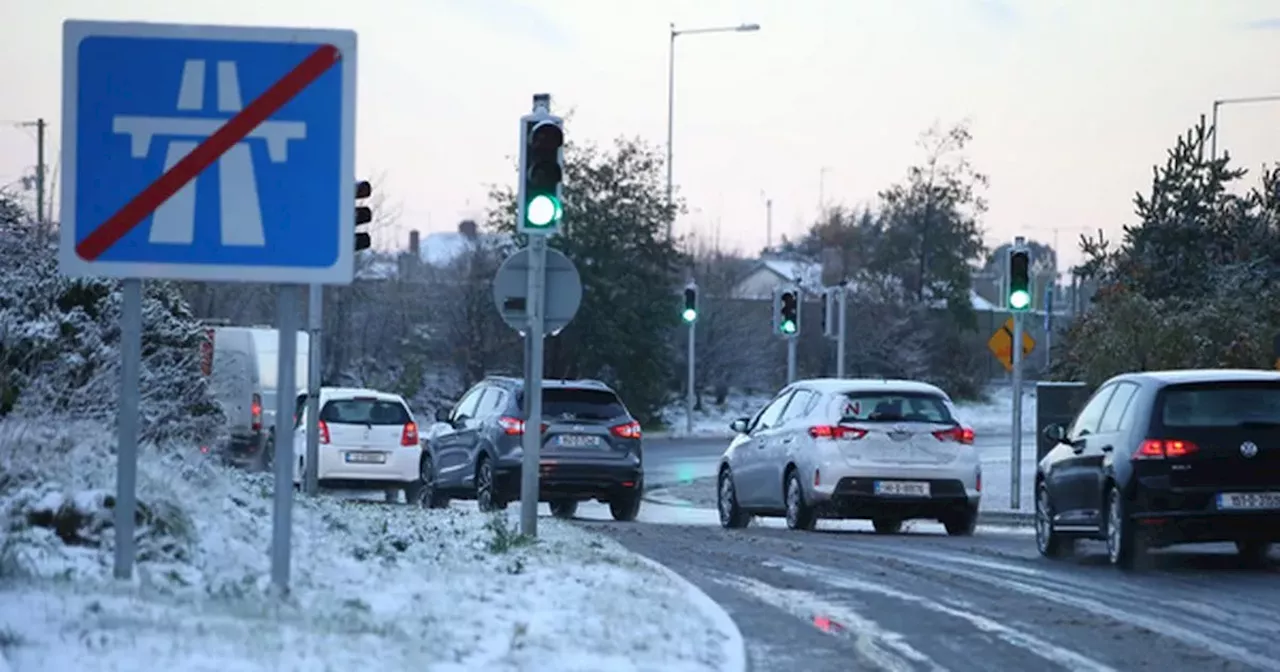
(992, 417)
(389, 587)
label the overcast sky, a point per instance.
(1070, 101)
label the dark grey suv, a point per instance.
(591, 448)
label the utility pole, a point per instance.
(40, 125)
(768, 223)
(842, 315)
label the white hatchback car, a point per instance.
(368, 441)
(884, 450)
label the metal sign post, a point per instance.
(315, 326)
(283, 458)
(533, 422)
(1015, 471)
(127, 426)
(842, 315)
(791, 359)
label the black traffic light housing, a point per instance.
(541, 206)
(1019, 296)
(364, 215)
(788, 312)
(690, 312)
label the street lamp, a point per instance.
(671, 85)
(1213, 140)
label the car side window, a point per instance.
(467, 407)
(1087, 420)
(799, 407)
(772, 414)
(1116, 408)
(491, 403)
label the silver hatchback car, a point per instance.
(884, 450)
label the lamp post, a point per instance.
(671, 86)
(1213, 140)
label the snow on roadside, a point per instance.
(995, 416)
(713, 420)
(392, 586)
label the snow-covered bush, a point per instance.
(59, 344)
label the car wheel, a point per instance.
(962, 524)
(1254, 554)
(564, 508)
(625, 508)
(800, 515)
(486, 495)
(1049, 543)
(1124, 548)
(887, 525)
(423, 491)
(731, 515)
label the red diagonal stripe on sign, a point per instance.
(205, 153)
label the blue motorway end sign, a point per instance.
(208, 152)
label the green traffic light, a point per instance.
(542, 210)
(689, 314)
(1019, 299)
(788, 327)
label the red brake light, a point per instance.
(515, 426)
(255, 412)
(630, 430)
(957, 434)
(1159, 449)
(409, 437)
(836, 432)
(324, 431)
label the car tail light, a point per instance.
(515, 426)
(409, 437)
(630, 430)
(957, 434)
(324, 431)
(1159, 449)
(255, 412)
(836, 432)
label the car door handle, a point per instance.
(1107, 449)
(789, 439)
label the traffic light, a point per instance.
(1019, 279)
(364, 214)
(542, 170)
(690, 312)
(787, 312)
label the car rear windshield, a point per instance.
(570, 403)
(364, 412)
(896, 407)
(1221, 404)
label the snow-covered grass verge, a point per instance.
(712, 420)
(995, 416)
(391, 587)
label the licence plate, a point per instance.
(367, 458)
(1249, 500)
(577, 441)
(902, 488)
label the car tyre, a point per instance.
(889, 525)
(564, 508)
(487, 498)
(626, 507)
(1048, 542)
(422, 492)
(1254, 554)
(800, 515)
(1124, 546)
(732, 516)
(962, 524)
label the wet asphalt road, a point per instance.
(843, 598)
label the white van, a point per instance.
(242, 375)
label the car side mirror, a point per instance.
(442, 415)
(1056, 432)
(740, 425)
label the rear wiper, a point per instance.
(1259, 424)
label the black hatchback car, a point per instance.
(591, 448)
(1160, 458)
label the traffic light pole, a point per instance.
(791, 359)
(689, 400)
(1015, 472)
(533, 421)
(840, 331)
